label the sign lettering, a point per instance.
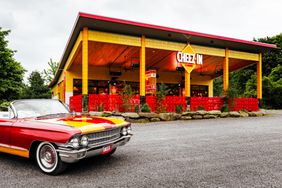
(189, 58)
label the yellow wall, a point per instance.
(113, 38)
(61, 91)
(243, 55)
(55, 91)
(69, 81)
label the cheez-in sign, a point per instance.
(189, 56)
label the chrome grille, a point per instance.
(105, 136)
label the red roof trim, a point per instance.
(92, 16)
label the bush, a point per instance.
(243, 110)
(145, 108)
(272, 89)
(101, 107)
(160, 96)
(225, 108)
(200, 108)
(178, 109)
(127, 95)
(136, 108)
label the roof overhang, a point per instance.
(113, 25)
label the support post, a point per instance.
(226, 73)
(259, 79)
(68, 86)
(85, 70)
(187, 85)
(225, 79)
(142, 72)
(187, 88)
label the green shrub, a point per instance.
(101, 107)
(145, 108)
(225, 108)
(200, 108)
(136, 108)
(178, 109)
(244, 110)
(160, 96)
(127, 95)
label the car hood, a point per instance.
(86, 124)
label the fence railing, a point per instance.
(237, 104)
(76, 103)
(106, 102)
(206, 103)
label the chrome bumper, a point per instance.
(72, 156)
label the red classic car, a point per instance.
(45, 130)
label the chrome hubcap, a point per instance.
(48, 157)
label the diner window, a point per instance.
(118, 85)
(173, 89)
(94, 87)
(199, 91)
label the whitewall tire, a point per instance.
(48, 159)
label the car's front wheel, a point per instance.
(48, 159)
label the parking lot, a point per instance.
(232, 152)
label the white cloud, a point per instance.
(40, 29)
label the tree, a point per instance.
(11, 71)
(217, 86)
(272, 71)
(50, 72)
(36, 89)
(273, 88)
(274, 57)
(237, 83)
(251, 87)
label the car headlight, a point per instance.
(75, 142)
(124, 131)
(129, 130)
(84, 141)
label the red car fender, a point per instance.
(24, 133)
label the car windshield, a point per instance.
(38, 107)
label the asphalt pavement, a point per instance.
(243, 152)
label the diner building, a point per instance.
(104, 54)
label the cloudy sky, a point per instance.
(40, 28)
